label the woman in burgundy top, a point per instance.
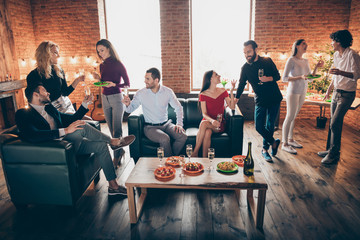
(212, 103)
(113, 72)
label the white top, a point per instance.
(155, 105)
(348, 62)
(296, 67)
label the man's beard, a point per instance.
(45, 100)
(252, 58)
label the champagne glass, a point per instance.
(160, 154)
(182, 163)
(261, 74)
(189, 150)
(211, 156)
(219, 119)
(87, 90)
(126, 90)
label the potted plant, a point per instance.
(321, 84)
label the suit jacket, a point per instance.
(34, 128)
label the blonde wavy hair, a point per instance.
(43, 60)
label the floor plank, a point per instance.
(305, 200)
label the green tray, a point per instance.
(227, 171)
(313, 77)
(101, 84)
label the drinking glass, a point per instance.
(219, 119)
(261, 74)
(182, 163)
(211, 156)
(126, 91)
(189, 150)
(160, 154)
(87, 90)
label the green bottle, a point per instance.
(249, 163)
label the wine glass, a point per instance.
(219, 119)
(160, 154)
(182, 163)
(87, 90)
(211, 156)
(189, 150)
(261, 74)
(126, 91)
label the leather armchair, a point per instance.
(226, 144)
(45, 173)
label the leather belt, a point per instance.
(343, 91)
(155, 124)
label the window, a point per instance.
(134, 29)
(219, 29)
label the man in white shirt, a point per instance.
(154, 99)
(43, 122)
(346, 71)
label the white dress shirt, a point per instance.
(348, 62)
(155, 105)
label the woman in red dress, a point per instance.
(212, 103)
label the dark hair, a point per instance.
(206, 80)
(106, 43)
(296, 43)
(344, 37)
(252, 43)
(30, 89)
(155, 73)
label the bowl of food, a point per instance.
(173, 161)
(164, 173)
(227, 167)
(239, 160)
(193, 168)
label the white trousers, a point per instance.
(294, 103)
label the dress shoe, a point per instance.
(117, 161)
(328, 159)
(323, 153)
(275, 149)
(295, 144)
(120, 191)
(124, 141)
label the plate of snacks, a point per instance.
(101, 84)
(227, 167)
(173, 161)
(239, 160)
(310, 76)
(193, 167)
(164, 173)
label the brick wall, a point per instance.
(176, 44)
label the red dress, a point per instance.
(215, 106)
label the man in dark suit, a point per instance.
(42, 122)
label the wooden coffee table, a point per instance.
(142, 176)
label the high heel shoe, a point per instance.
(117, 161)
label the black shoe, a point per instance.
(124, 141)
(120, 191)
(274, 150)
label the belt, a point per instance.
(343, 91)
(155, 124)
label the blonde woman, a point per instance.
(49, 73)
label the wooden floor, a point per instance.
(304, 201)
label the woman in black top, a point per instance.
(52, 77)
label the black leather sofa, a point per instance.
(226, 144)
(47, 172)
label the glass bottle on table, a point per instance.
(249, 163)
(211, 156)
(160, 154)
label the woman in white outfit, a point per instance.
(296, 70)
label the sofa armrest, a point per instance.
(136, 127)
(235, 127)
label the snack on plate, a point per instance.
(175, 160)
(193, 166)
(164, 172)
(226, 166)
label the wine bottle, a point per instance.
(249, 163)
